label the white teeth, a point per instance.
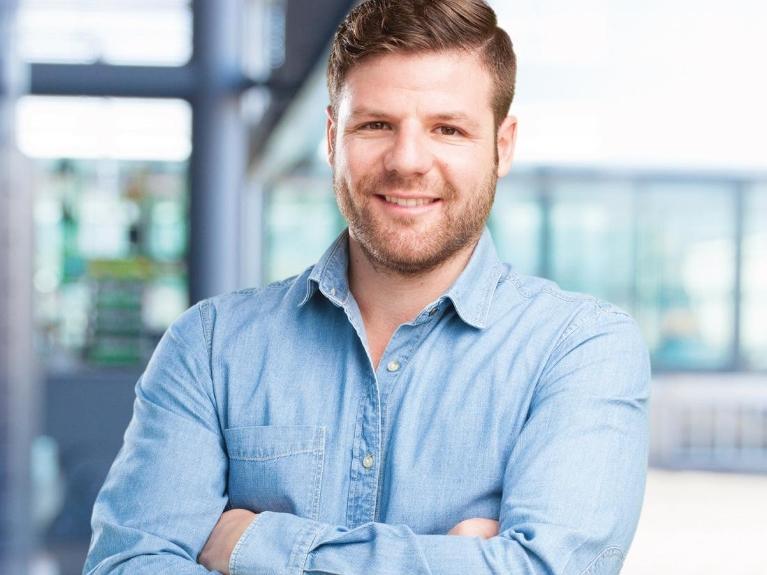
(408, 202)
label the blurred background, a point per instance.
(153, 153)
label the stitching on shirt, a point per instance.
(609, 553)
(236, 551)
(272, 457)
(204, 310)
(256, 289)
(304, 535)
(319, 467)
(587, 317)
(496, 273)
(516, 279)
(311, 546)
(351, 501)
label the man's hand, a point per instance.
(219, 546)
(476, 527)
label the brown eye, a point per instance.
(376, 126)
(448, 131)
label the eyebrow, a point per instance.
(441, 117)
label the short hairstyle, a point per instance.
(377, 27)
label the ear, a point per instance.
(507, 139)
(330, 135)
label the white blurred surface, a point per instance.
(645, 84)
(701, 524)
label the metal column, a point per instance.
(218, 149)
(18, 384)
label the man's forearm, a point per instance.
(216, 554)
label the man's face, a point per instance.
(416, 155)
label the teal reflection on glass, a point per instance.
(515, 223)
(754, 303)
(302, 219)
(592, 238)
(686, 273)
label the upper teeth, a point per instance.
(409, 202)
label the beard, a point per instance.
(410, 246)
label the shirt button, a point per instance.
(393, 365)
(367, 463)
(333, 291)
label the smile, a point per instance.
(409, 202)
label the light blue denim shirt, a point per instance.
(506, 398)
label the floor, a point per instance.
(701, 524)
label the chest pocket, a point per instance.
(276, 468)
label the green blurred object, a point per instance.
(111, 260)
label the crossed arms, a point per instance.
(166, 491)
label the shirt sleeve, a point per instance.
(167, 487)
(572, 490)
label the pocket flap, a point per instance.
(264, 442)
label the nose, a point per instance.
(409, 153)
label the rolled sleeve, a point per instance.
(274, 543)
(167, 487)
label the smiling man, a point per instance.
(409, 404)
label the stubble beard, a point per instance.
(406, 247)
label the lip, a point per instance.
(410, 210)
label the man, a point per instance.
(409, 405)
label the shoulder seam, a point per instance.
(204, 308)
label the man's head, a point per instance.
(418, 132)
(378, 27)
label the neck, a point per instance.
(387, 299)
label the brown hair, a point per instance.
(410, 26)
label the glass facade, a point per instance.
(517, 224)
(754, 305)
(111, 230)
(157, 33)
(686, 273)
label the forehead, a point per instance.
(430, 81)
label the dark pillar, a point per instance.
(18, 383)
(218, 152)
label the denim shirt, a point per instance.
(505, 398)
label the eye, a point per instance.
(449, 131)
(375, 126)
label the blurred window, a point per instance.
(516, 224)
(302, 220)
(686, 273)
(135, 32)
(754, 304)
(592, 238)
(111, 225)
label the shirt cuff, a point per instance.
(274, 543)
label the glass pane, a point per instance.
(111, 230)
(685, 275)
(118, 128)
(754, 311)
(592, 238)
(515, 223)
(157, 33)
(302, 220)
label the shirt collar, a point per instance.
(471, 294)
(329, 273)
